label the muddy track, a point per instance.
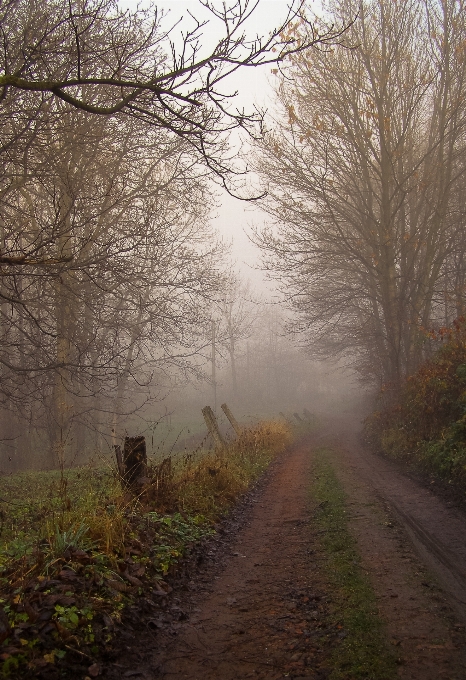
(256, 604)
(255, 607)
(438, 532)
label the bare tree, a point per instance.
(108, 133)
(124, 216)
(272, 372)
(239, 311)
(364, 168)
(104, 60)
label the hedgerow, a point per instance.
(427, 423)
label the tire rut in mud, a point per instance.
(412, 549)
(437, 532)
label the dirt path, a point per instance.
(425, 621)
(255, 621)
(257, 607)
(438, 532)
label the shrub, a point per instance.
(427, 424)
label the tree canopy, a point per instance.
(364, 169)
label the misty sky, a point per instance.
(234, 217)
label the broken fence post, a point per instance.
(212, 426)
(134, 459)
(233, 422)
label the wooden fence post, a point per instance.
(212, 426)
(308, 415)
(233, 422)
(134, 459)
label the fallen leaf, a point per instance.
(49, 658)
(64, 632)
(119, 586)
(32, 613)
(5, 629)
(81, 556)
(108, 621)
(133, 580)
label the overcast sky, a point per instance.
(234, 217)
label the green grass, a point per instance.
(363, 653)
(30, 500)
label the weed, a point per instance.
(74, 538)
(173, 535)
(11, 665)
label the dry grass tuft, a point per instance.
(211, 482)
(44, 510)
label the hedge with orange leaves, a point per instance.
(427, 424)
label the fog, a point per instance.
(165, 247)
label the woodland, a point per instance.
(364, 170)
(118, 135)
(114, 139)
(114, 136)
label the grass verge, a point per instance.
(76, 549)
(363, 652)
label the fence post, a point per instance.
(134, 459)
(212, 426)
(233, 422)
